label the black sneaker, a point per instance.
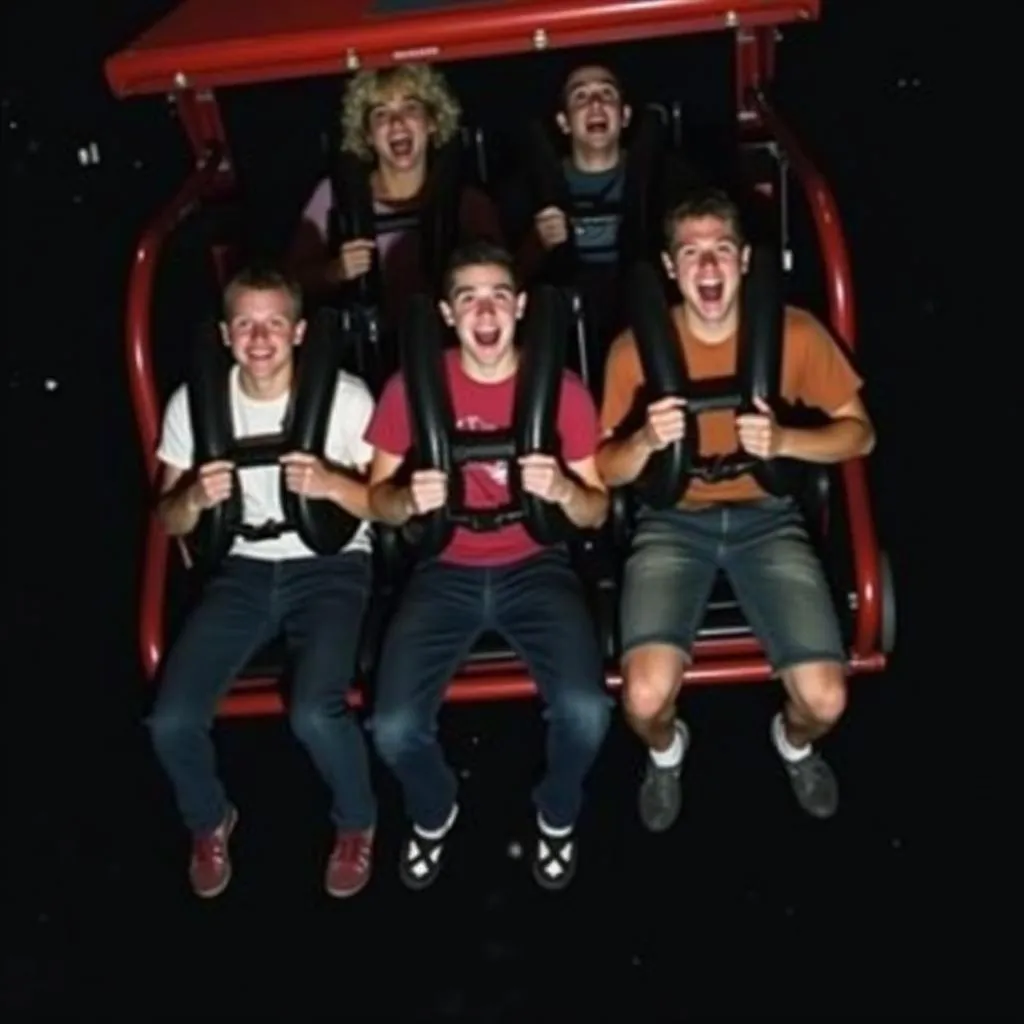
(661, 792)
(814, 785)
(554, 860)
(812, 780)
(422, 858)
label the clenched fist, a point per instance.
(356, 258)
(212, 485)
(759, 434)
(306, 475)
(542, 476)
(666, 423)
(428, 490)
(552, 227)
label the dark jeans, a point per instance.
(319, 604)
(538, 606)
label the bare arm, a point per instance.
(621, 461)
(350, 491)
(388, 502)
(310, 262)
(179, 506)
(586, 500)
(849, 435)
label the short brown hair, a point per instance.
(613, 78)
(481, 253)
(261, 279)
(707, 202)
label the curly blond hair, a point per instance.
(368, 88)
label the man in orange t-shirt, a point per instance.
(759, 540)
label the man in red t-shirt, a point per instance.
(500, 580)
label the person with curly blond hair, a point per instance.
(391, 119)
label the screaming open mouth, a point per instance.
(487, 338)
(400, 147)
(711, 292)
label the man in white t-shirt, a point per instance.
(267, 586)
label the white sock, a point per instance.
(782, 744)
(555, 833)
(438, 833)
(673, 754)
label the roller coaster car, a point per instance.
(204, 45)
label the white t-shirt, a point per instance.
(261, 485)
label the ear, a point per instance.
(744, 259)
(446, 313)
(563, 123)
(669, 265)
(300, 332)
(520, 305)
(225, 334)
(627, 115)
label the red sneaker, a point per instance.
(350, 863)
(209, 870)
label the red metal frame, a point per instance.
(203, 44)
(737, 660)
(839, 286)
(212, 177)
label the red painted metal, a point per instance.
(203, 44)
(210, 178)
(755, 67)
(200, 45)
(839, 285)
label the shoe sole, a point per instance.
(547, 885)
(419, 884)
(343, 894)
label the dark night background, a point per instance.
(743, 908)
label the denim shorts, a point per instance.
(763, 548)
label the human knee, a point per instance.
(587, 713)
(312, 723)
(395, 733)
(651, 675)
(820, 689)
(169, 726)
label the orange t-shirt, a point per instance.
(815, 373)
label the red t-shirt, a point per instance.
(484, 407)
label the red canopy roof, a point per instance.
(207, 43)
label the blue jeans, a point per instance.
(538, 606)
(319, 604)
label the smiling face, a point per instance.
(593, 114)
(399, 127)
(262, 329)
(707, 260)
(483, 307)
